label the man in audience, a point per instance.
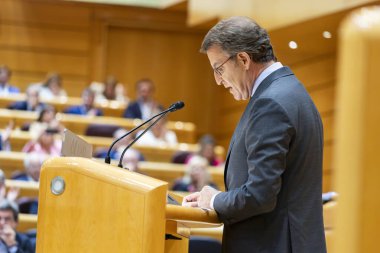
(87, 107)
(32, 102)
(144, 107)
(14, 241)
(5, 87)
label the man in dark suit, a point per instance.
(273, 171)
(87, 107)
(31, 103)
(145, 106)
(15, 242)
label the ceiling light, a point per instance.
(326, 35)
(293, 44)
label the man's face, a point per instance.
(88, 99)
(7, 219)
(145, 91)
(4, 76)
(232, 73)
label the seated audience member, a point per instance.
(145, 106)
(87, 106)
(12, 193)
(196, 176)
(158, 135)
(4, 137)
(14, 241)
(52, 87)
(119, 147)
(44, 143)
(207, 150)
(131, 160)
(5, 87)
(32, 166)
(111, 89)
(32, 102)
(46, 119)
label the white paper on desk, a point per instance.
(73, 145)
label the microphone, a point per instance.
(176, 106)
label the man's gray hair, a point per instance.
(240, 34)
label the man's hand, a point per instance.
(191, 200)
(200, 199)
(8, 235)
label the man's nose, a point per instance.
(218, 79)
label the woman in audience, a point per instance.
(196, 176)
(52, 87)
(44, 143)
(111, 89)
(207, 150)
(46, 119)
(158, 135)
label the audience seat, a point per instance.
(101, 130)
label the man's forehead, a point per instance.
(216, 55)
(6, 213)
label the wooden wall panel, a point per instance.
(315, 73)
(19, 36)
(47, 13)
(41, 36)
(44, 62)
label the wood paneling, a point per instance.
(46, 13)
(19, 36)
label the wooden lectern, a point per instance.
(88, 206)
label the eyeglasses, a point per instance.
(218, 69)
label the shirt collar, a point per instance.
(269, 70)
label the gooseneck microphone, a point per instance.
(176, 106)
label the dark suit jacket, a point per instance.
(25, 245)
(81, 110)
(273, 173)
(133, 111)
(23, 106)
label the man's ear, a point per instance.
(244, 59)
